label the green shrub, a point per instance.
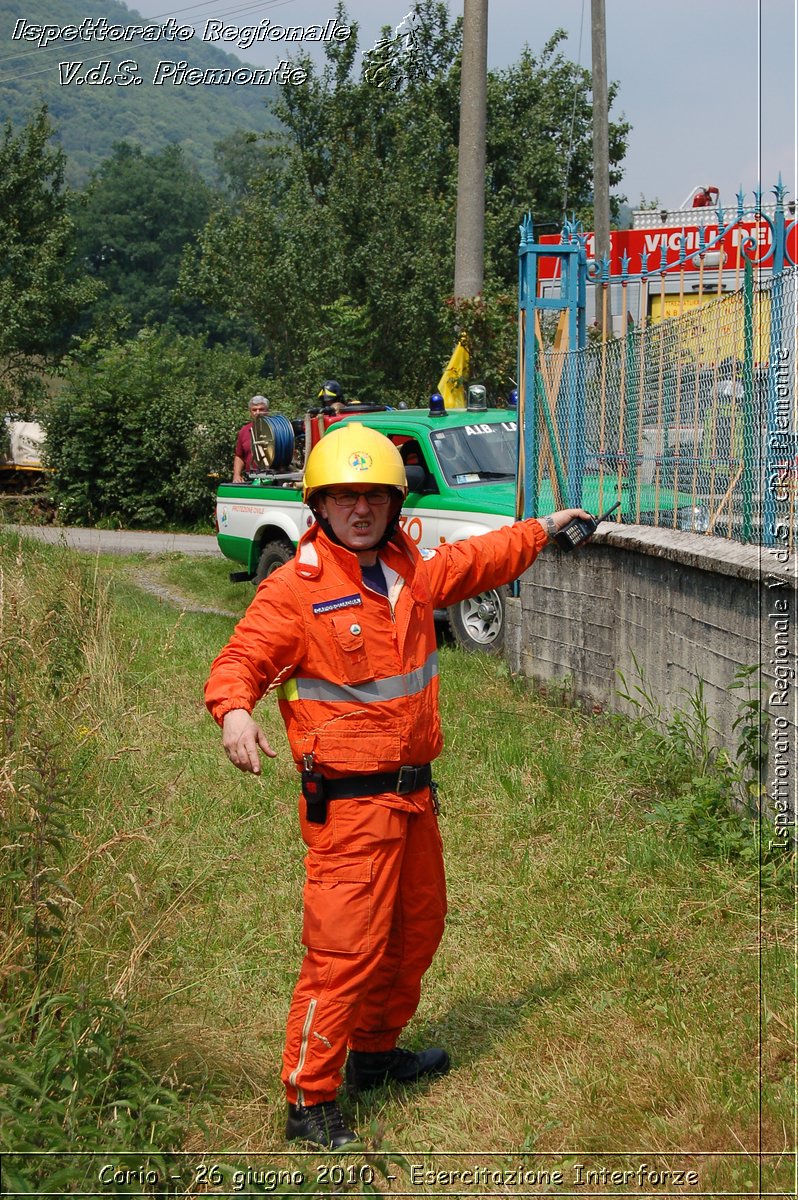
(72, 1078)
(141, 427)
(703, 794)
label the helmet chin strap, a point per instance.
(390, 529)
(325, 525)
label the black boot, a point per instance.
(322, 1124)
(364, 1070)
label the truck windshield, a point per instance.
(476, 453)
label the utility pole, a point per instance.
(469, 253)
(601, 147)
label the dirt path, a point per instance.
(127, 541)
(148, 582)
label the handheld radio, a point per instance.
(579, 530)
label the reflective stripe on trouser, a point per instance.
(375, 902)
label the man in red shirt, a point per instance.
(243, 456)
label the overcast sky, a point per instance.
(709, 86)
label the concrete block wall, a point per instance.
(681, 608)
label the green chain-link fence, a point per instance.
(673, 416)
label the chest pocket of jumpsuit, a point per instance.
(350, 648)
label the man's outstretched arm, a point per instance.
(488, 560)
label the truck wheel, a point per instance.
(478, 624)
(272, 556)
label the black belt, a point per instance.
(406, 779)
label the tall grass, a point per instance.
(608, 983)
(72, 1074)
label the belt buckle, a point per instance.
(406, 780)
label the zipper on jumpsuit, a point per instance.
(392, 611)
(303, 1051)
(382, 596)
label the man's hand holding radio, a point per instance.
(571, 527)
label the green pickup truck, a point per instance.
(461, 468)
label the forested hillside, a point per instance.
(90, 119)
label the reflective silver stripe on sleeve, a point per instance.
(392, 688)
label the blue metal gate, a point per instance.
(689, 419)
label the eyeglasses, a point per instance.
(350, 499)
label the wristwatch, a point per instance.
(550, 527)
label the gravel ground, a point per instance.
(120, 541)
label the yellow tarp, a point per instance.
(711, 329)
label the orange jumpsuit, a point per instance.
(357, 681)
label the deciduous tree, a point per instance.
(141, 425)
(40, 287)
(357, 203)
(134, 221)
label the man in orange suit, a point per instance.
(345, 634)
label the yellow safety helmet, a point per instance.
(353, 454)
